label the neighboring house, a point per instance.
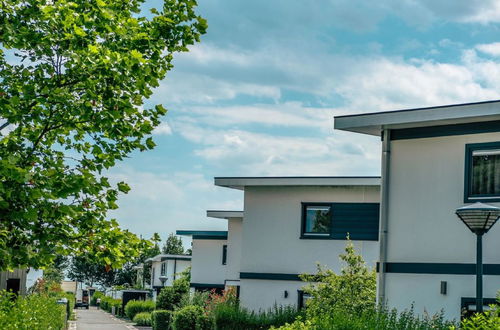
(209, 259)
(14, 281)
(233, 249)
(165, 269)
(292, 223)
(434, 160)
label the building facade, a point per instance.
(434, 161)
(292, 224)
(165, 269)
(14, 281)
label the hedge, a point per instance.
(161, 319)
(143, 319)
(107, 303)
(192, 317)
(137, 306)
(35, 311)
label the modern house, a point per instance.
(209, 259)
(233, 246)
(14, 281)
(292, 223)
(434, 160)
(165, 269)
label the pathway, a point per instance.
(95, 319)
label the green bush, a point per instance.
(490, 319)
(137, 306)
(190, 318)
(95, 296)
(170, 297)
(230, 316)
(35, 311)
(143, 318)
(107, 303)
(161, 319)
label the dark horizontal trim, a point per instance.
(419, 109)
(188, 258)
(270, 276)
(445, 130)
(206, 286)
(333, 238)
(157, 287)
(297, 177)
(223, 238)
(438, 268)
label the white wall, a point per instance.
(234, 249)
(207, 267)
(426, 187)
(261, 295)
(271, 237)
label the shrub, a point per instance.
(231, 316)
(191, 317)
(95, 296)
(170, 297)
(36, 311)
(143, 318)
(161, 319)
(137, 306)
(490, 319)
(107, 303)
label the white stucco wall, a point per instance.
(234, 249)
(173, 269)
(207, 267)
(426, 187)
(271, 239)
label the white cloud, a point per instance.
(490, 49)
(163, 129)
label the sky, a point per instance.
(258, 95)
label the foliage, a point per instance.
(228, 297)
(490, 319)
(143, 319)
(85, 269)
(173, 245)
(191, 317)
(31, 312)
(134, 307)
(149, 253)
(196, 298)
(107, 303)
(95, 296)
(72, 104)
(230, 316)
(352, 291)
(161, 319)
(170, 297)
(55, 272)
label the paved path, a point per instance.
(94, 319)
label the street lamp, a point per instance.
(479, 218)
(163, 279)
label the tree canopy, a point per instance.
(74, 75)
(173, 245)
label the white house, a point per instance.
(292, 223)
(209, 259)
(165, 269)
(434, 160)
(233, 249)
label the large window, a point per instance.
(337, 220)
(482, 172)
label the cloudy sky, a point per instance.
(257, 96)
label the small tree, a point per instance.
(173, 245)
(352, 291)
(171, 296)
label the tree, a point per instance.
(84, 269)
(173, 245)
(71, 105)
(55, 272)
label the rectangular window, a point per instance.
(317, 219)
(163, 269)
(482, 172)
(337, 220)
(224, 254)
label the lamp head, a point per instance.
(478, 217)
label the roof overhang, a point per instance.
(374, 123)
(163, 257)
(203, 234)
(242, 182)
(224, 214)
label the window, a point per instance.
(163, 270)
(337, 220)
(317, 219)
(224, 254)
(303, 298)
(482, 172)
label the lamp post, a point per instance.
(479, 218)
(163, 279)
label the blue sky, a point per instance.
(257, 96)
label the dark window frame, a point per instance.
(163, 268)
(469, 149)
(300, 299)
(224, 254)
(303, 233)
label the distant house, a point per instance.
(165, 269)
(209, 259)
(292, 223)
(14, 281)
(434, 160)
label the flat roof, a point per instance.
(203, 234)
(373, 123)
(163, 257)
(219, 214)
(242, 182)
